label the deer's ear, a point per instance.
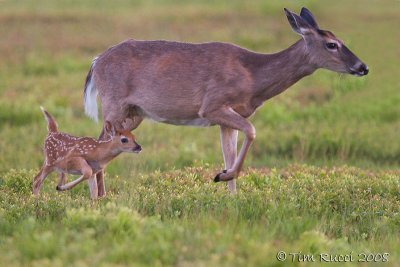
(299, 25)
(109, 128)
(308, 16)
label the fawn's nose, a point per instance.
(137, 148)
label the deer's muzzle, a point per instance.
(360, 69)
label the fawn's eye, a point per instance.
(124, 140)
(332, 46)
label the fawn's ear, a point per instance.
(109, 128)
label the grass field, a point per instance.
(322, 175)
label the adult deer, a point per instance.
(208, 84)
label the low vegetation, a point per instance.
(182, 218)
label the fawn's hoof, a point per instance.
(58, 188)
(217, 178)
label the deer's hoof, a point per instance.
(101, 195)
(58, 188)
(217, 178)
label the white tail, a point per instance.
(90, 100)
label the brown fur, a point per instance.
(210, 83)
(86, 156)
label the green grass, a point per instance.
(162, 208)
(182, 218)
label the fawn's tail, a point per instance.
(51, 123)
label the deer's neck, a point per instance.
(274, 73)
(106, 151)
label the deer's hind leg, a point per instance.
(83, 167)
(227, 117)
(39, 178)
(62, 179)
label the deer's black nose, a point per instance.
(363, 69)
(359, 69)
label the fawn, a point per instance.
(83, 156)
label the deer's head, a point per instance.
(122, 140)
(325, 50)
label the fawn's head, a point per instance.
(325, 50)
(122, 140)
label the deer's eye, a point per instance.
(124, 140)
(332, 46)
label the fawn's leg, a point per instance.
(101, 187)
(84, 168)
(62, 179)
(229, 149)
(39, 178)
(92, 182)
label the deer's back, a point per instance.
(146, 63)
(169, 77)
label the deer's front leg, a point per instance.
(101, 187)
(229, 149)
(227, 117)
(92, 182)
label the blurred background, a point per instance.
(46, 49)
